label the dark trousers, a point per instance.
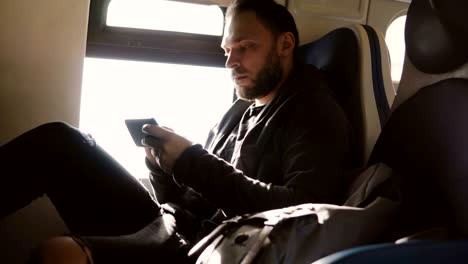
(94, 195)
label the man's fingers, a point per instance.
(148, 151)
(151, 142)
(168, 129)
(156, 131)
(155, 153)
(150, 157)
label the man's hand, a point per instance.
(166, 146)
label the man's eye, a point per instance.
(246, 46)
(243, 48)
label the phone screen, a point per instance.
(134, 127)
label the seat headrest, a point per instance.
(437, 35)
(336, 54)
(453, 13)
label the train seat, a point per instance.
(425, 139)
(356, 63)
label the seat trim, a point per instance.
(380, 95)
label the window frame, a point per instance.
(149, 45)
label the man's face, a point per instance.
(251, 55)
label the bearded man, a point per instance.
(284, 142)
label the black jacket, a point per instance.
(296, 153)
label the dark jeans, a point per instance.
(94, 195)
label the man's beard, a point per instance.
(266, 80)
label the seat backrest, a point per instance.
(426, 138)
(356, 63)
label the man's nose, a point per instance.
(232, 61)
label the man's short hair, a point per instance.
(271, 14)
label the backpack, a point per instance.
(307, 232)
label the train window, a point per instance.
(166, 15)
(185, 97)
(395, 39)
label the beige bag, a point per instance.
(307, 232)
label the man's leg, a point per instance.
(155, 243)
(92, 193)
(61, 250)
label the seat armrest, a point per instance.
(436, 233)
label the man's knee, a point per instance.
(61, 250)
(63, 132)
(55, 128)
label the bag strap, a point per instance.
(257, 246)
(201, 245)
(206, 254)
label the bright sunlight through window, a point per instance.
(188, 99)
(166, 15)
(395, 39)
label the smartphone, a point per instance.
(134, 127)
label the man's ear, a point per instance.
(286, 43)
